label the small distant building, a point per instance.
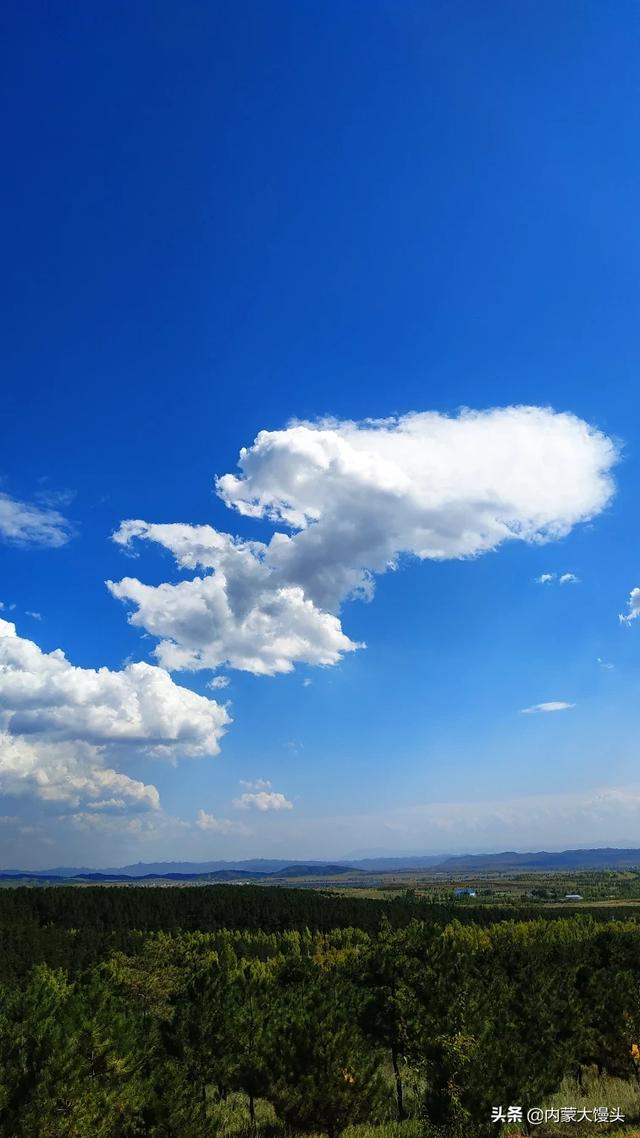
(464, 893)
(572, 897)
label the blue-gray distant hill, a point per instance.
(567, 859)
(266, 869)
(311, 869)
(94, 877)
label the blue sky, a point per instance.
(220, 219)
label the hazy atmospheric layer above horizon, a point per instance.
(319, 469)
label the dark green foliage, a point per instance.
(117, 1031)
(326, 1076)
(72, 927)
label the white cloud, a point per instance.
(141, 704)
(560, 578)
(68, 774)
(427, 484)
(33, 615)
(605, 664)
(63, 729)
(634, 607)
(256, 784)
(553, 705)
(154, 827)
(90, 823)
(25, 523)
(218, 682)
(209, 822)
(263, 800)
(241, 614)
(356, 498)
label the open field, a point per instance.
(542, 887)
(546, 889)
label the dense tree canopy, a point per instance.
(124, 1028)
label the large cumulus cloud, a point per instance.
(65, 731)
(353, 499)
(245, 612)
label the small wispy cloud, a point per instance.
(255, 784)
(218, 682)
(33, 615)
(557, 578)
(215, 825)
(26, 523)
(55, 499)
(552, 705)
(263, 800)
(604, 663)
(633, 605)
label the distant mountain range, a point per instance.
(265, 869)
(567, 859)
(287, 872)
